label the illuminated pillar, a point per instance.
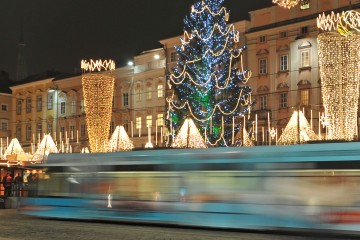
(98, 89)
(339, 62)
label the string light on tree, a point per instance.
(206, 85)
(98, 90)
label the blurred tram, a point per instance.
(312, 186)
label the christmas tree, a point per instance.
(206, 84)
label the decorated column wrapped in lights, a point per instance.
(339, 61)
(98, 89)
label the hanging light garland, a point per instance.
(98, 90)
(286, 3)
(346, 23)
(339, 61)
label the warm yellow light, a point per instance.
(286, 3)
(292, 131)
(46, 146)
(346, 23)
(120, 141)
(98, 90)
(189, 136)
(339, 61)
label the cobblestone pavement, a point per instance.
(14, 226)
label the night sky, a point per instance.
(59, 33)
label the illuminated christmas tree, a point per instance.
(206, 84)
(46, 147)
(189, 136)
(120, 141)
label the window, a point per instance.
(283, 100)
(304, 4)
(138, 123)
(160, 119)
(4, 107)
(18, 133)
(82, 106)
(28, 105)
(39, 131)
(38, 103)
(283, 34)
(284, 63)
(305, 58)
(138, 94)
(173, 56)
(148, 121)
(263, 102)
(112, 127)
(126, 126)
(72, 131)
(4, 124)
(50, 128)
(263, 66)
(73, 107)
(304, 30)
(148, 93)
(82, 130)
(160, 91)
(28, 133)
(304, 97)
(18, 106)
(62, 108)
(126, 99)
(62, 133)
(50, 101)
(262, 39)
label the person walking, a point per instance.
(18, 184)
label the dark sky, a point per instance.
(59, 33)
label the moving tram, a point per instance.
(311, 186)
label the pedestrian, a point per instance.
(8, 185)
(18, 182)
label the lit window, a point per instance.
(160, 91)
(263, 66)
(39, 131)
(82, 106)
(160, 119)
(284, 63)
(263, 102)
(304, 97)
(283, 100)
(148, 93)
(138, 123)
(72, 131)
(305, 58)
(148, 121)
(38, 103)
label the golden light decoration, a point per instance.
(286, 3)
(339, 61)
(46, 146)
(292, 131)
(98, 90)
(242, 139)
(188, 136)
(346, 23)
(120, 141)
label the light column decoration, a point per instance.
(339, 62)
(98, 89)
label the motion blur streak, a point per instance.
(314, 186)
